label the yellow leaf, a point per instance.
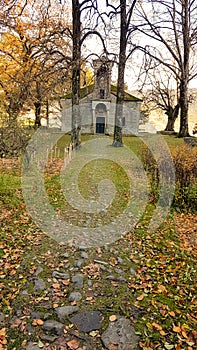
(93, 334)
(149, 325)
(2, 331)
(141, 297)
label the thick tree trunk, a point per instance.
(172, 116)
(13, 109)
(76, 120)
(184, 131)
(117, 142)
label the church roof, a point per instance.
(86, 90)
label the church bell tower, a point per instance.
(102, 76)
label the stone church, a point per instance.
(98, 104)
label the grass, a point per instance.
(160, 299)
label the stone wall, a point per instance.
(89, 114)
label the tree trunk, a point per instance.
(37, 106)
(47, 113)
(117, 142)
(184, 131)
(172, 116)
(13, 109)
(37, 114)
(76, 120)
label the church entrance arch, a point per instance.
(101, 114)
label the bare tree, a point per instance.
(87, 9)
(161, 91)
(170, 26)
(124, 10)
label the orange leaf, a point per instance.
(157, 326)
(65, 282)
(112, 318)
(171, 313)
(37, 322)
(73, 344)
(3, 339)
(113, 346)
(40, 322)
(162, 333)
(89, 298)
(184, 334)
(176, 329)
(178, 347)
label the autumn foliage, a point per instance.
(185, 164)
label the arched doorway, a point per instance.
(101, 113)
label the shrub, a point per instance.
(185, 163)
(13, 140)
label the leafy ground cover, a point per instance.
(157, 293)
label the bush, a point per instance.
(185, 163)
(13, 140)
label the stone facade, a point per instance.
(98, 105)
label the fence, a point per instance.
(31, 155)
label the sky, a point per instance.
(94, 45)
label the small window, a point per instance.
(102, 94)
(123, 121)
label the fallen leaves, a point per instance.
(37, 322)
(113, 318)
(166, 274)
(141, 297)
(163, 288)
(3, 340)
(171, 313)
(73, 344)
